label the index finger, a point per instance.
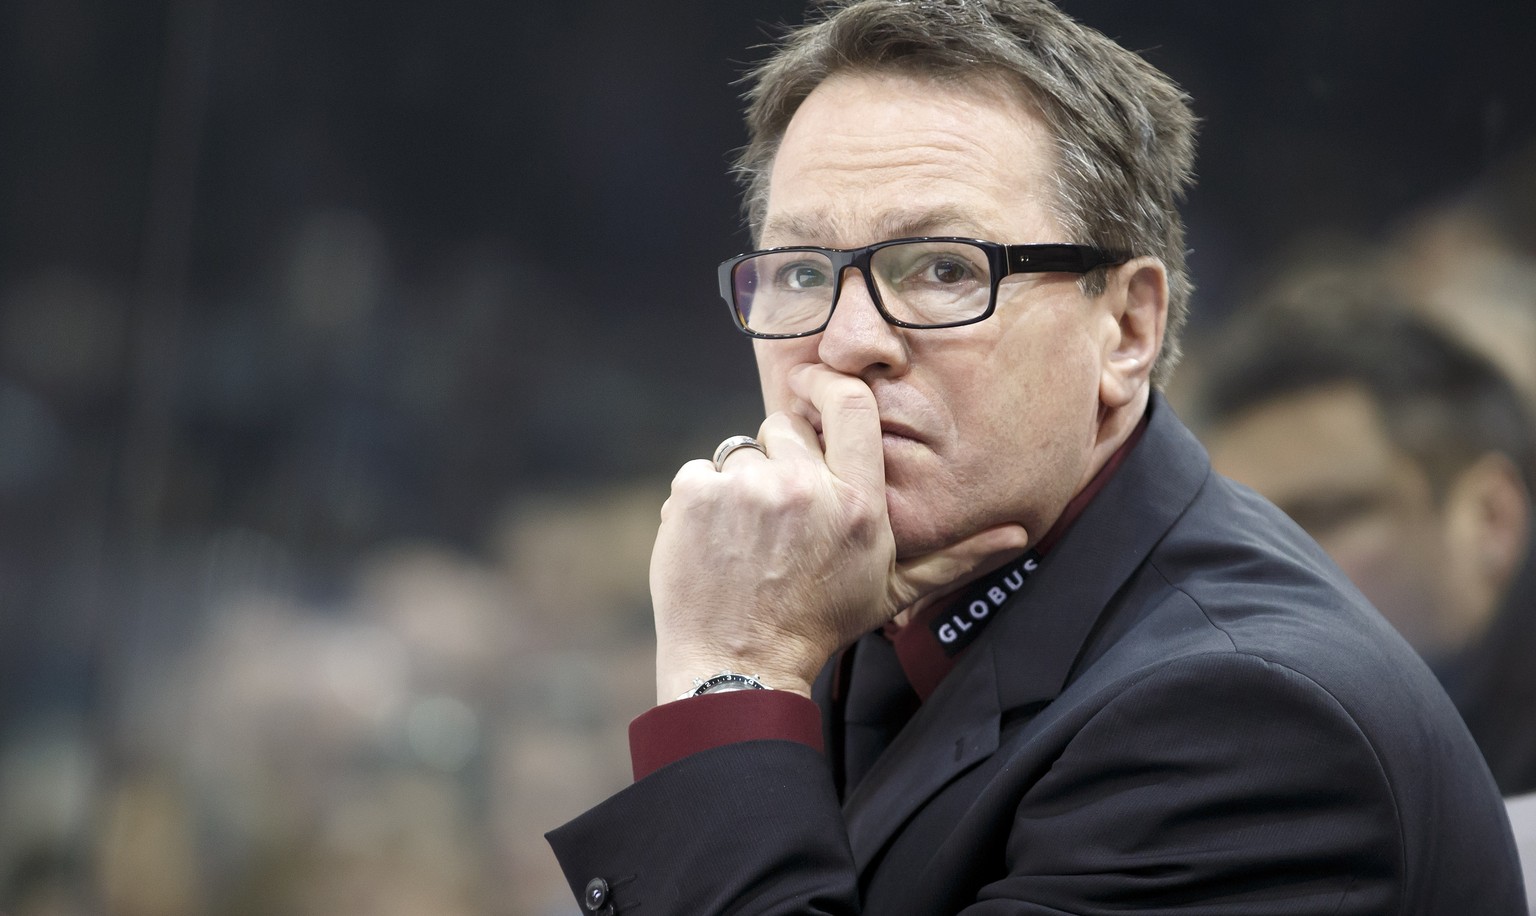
(850, 423)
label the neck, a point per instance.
(1116, 424)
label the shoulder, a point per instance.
(1241, 657)
(1235, 577)
(1232, 772)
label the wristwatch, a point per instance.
(724, 682)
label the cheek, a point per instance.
(1042, 386)
(1037, 408)
(1053, 346)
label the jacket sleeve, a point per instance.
(1212, 784)
(749, 828)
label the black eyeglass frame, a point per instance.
(1002, 261)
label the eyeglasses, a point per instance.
(915, 283)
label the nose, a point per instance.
(857, 339)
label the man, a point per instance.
(1409, 458)
(1070, 670)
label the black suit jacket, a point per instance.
(1187, 709)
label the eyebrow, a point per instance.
(819, 227)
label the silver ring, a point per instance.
(723, 451)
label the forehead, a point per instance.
(880, 155)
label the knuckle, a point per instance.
(690, 472)
(691, 486)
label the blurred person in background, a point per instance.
(1469, 264)
(1062, 666)
(1408, 456)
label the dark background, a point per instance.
(285, 283)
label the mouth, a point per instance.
(898, 433)
(890, 433)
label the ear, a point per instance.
(1136, 300)
(1487, 526)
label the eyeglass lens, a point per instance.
(920, 283)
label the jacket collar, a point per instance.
(1027, 656)
(1059, 608)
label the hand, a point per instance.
(770, 565)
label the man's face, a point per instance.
(985, 424)
(1325, 457)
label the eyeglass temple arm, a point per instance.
(1077, 259)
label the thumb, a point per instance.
(920, 580)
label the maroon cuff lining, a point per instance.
(673, 731)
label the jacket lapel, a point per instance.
(1027, 656)
(1039, 644)
(955, 729)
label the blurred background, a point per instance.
(346, 353)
